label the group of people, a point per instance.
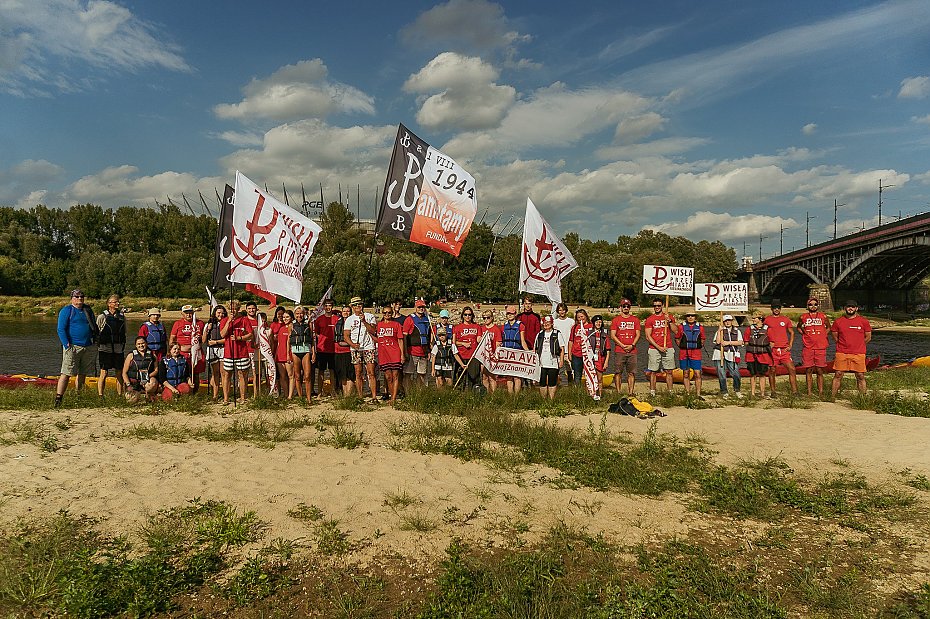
(294, 349)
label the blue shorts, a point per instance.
(694, 364)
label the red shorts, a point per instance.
(781, 356)
(814, 357)
(182, 388)
(845, 362)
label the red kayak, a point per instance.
(711, 370)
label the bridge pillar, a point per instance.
(821, 292)
(752, 289)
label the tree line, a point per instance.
(165, 253)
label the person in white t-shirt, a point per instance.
(357, 331)
(563, 324)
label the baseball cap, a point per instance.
(419, 303)
(77, 292)
(356, 301)
(154, 312)
(187, 308)
(727, 317)
(690, 313)
(444, 314)
(851, 303)
(775, 303)
(625, 301)
(511, 309)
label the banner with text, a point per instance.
(544, 260)
(428, 199)
(270, 242)
(675, 281)
(721, 297)
(507, 361)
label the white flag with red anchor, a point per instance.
(270, 242)
(544, 259)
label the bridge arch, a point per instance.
(789, 272)
(904, 263)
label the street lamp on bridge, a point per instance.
(880, 188)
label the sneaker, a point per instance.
(597, 398)
(58, 399)
(725, 394)
(652, 393)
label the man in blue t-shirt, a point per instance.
(77, 331)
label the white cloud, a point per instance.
(469, 25)
(295, 92)
(357, 155)
(122, 185)
(42, 40)
(724, 226)
(718, 72)
(468, 98)
(27, 181)
(915, 88)
(239, 138)
(809, 129)
(553, 116)
(635, 128)
(664, 146)
(924, 120)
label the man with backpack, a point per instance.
(77, 331)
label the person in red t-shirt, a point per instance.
(255, 358)
(391, 352)
(236, 329)
(182, 332)
(814, 327)
(852, 333)
(283, 356)
(661, 354)
(325, 328)
(532, 323)
(465, 336)
(781, 338)
(625, 330)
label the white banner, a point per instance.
(674, 281)
(721, 297)
(507, 361)
(544, 260)
(271, 242)
(587, 364)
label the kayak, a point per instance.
(870, 364)
(12, 381)
(923, 362)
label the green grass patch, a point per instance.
(29, 432)
(767, 489)
(261, 430)
(64, 566)
(909, 378)
(891, 403)
(337, 431)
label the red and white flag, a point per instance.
(270, 242)
(544, 260)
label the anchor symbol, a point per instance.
(243, 251)
(536, 268)
(399, 224)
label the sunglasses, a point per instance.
(487, 317)
(626, 305)
(511, 313)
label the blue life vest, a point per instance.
(690, 337)
(175, 370)
(512, 335)
(422, 325)
(155, 338)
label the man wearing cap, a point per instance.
(418, 332)
(77, 332)
(182, 334)
(624, 333)
(852, 333)
(154, 333)
(325, 328)
(661, 353)
(781, 337)
(690, 348)
(814, 327)
(358, 330)
(443, 324)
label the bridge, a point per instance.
(878, 266)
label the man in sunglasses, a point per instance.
(781, 338)
(661, 354)
(814, 327)
(624, 333)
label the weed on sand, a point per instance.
(28, 431)
(260, 430)
(337, 431)
(892, 403)
(65, 566)
(897, 379)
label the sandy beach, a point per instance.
(120, 480)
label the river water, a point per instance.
(29, 345)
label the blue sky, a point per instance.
(718, 120)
